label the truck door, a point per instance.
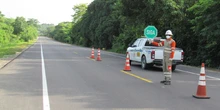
(139, 50)
(133, 49)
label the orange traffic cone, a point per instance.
(201, 90)
(99, 55)
(127, 64)
(92, 54)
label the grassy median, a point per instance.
(12, 48)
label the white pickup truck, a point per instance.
(149, 55)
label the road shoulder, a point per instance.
(9, 58)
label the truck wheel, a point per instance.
(130, 62)
(143, 62)
(173, 67)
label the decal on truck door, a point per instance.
(138, 54)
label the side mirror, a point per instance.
(134, 45)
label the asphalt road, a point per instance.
(57, 76)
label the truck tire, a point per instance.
(130, 62)
(143, 62)
(173, 67)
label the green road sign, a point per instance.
(150, 32)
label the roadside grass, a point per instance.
(12, 48)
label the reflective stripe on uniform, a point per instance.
(166, 73)
(167, 51)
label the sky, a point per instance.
(45, 11)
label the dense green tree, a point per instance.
(62, 32)
(46, 29)
(19, 25)
(79, 11)
(6, 30)
(207, 28)
(26, 30)
(33, 22)
(15, 30)
(97, 27)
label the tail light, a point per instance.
(182, 56)
(153, 54)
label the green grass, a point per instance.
(12, 48)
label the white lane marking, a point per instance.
(198, 74)
(212, 80)
(46, 103)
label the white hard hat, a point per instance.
(168, 32)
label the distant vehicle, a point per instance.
(149, 55)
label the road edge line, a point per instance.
(197, 74)
(46, 103)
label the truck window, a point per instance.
(141, 43)
(136, 42)
(147, 43)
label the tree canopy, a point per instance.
(15, 30)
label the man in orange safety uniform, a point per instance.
(168, 55)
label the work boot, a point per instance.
(163, 81)
(167, 83)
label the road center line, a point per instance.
(198, 74)
(46, 103)
(90, 58)
(143, 79)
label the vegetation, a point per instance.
(45, 29)
(113, 24)
(11, 49)
(16, 33)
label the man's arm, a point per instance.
(173, 47)
(156, 43)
